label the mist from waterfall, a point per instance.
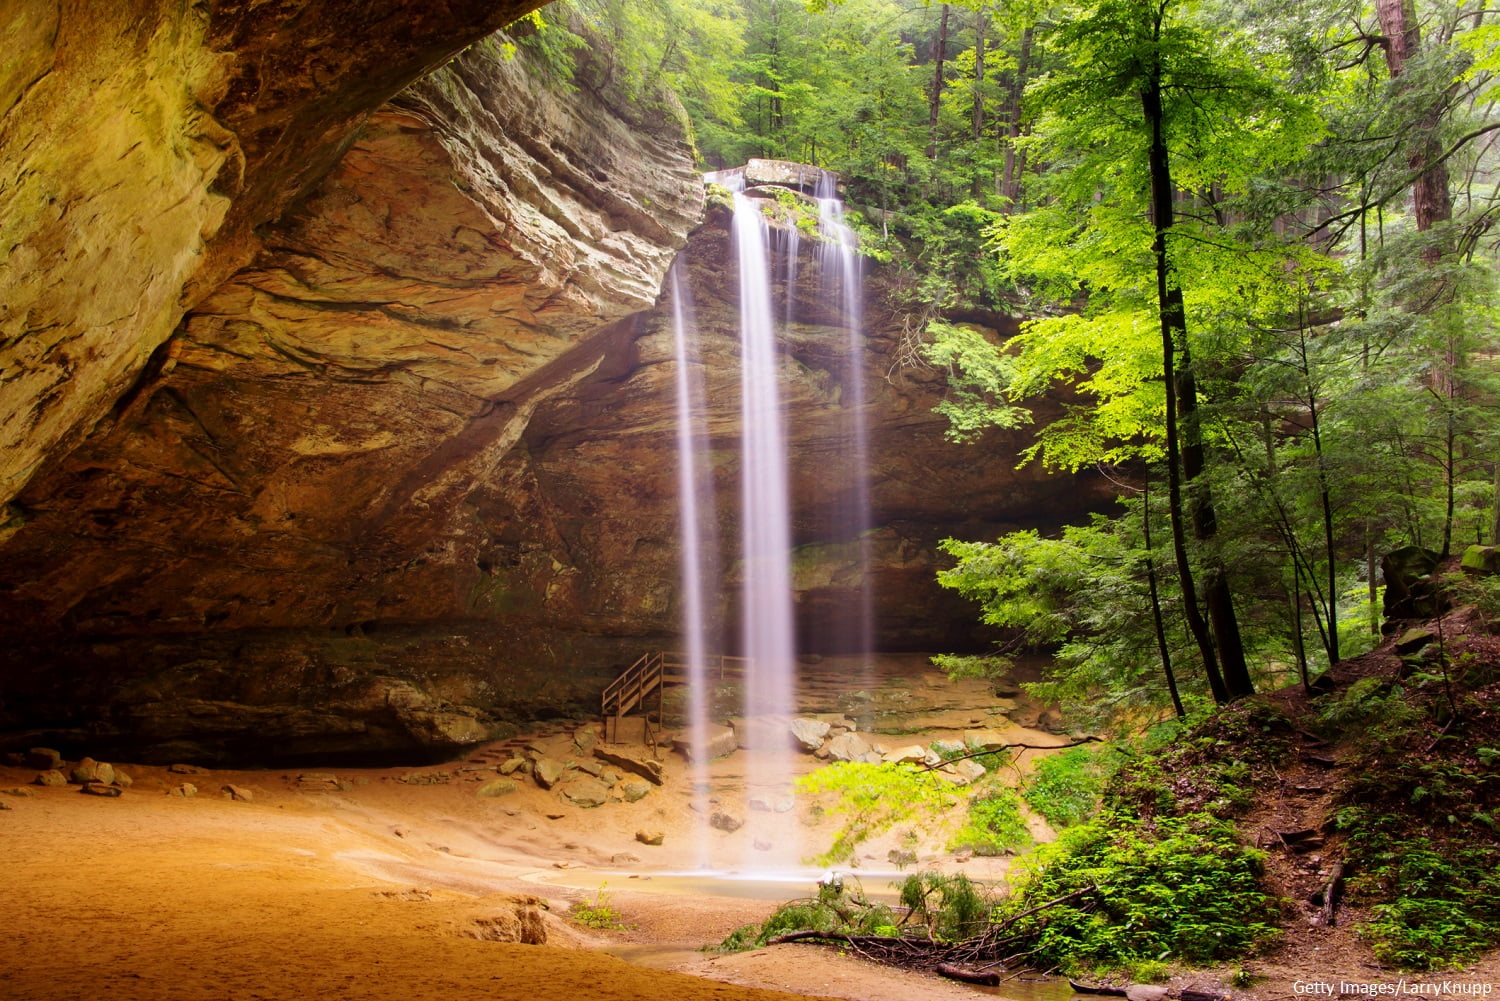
(696, 500)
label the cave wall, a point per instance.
(404, 474)
(142, 144)
(209, 570)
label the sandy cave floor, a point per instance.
(385, 888)
(380, 889)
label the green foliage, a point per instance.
(1212, 766)
(1439, 899)
(994, 825)
(1370, 710)
(598, 913)
(951, 907)
(871, 798)
(1175, 888)
(837, 909)
(1065, 787)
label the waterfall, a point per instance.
(764, 510)
(767, 625)
(696, 499)
(842, 281)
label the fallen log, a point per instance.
(967, 976)
(1117, 992)
(1331, 894)
(1198, 994)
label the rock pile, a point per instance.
(95, 778)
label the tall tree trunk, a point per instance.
(978, 185)
(1015, 162)
(1162, 648)
(1224, 648)
(1173, 323)
(1431, 201)
(936, 98)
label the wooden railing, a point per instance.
(650, 675)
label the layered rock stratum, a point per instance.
(408, 475)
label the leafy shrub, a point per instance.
(598, 913)
(1438, 891)
(834, 910)
(1065, 788)
(1178, 887)
(994, 825)
(952, 908)
(1371, 708)
(872, 798)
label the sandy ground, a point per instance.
(386, 889)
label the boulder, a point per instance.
(634, 790)
(585, 737)
(760, 732)
(182, 769)
(319, 782)
(624, 858)
(123, 780)
(847, 747)
(721, 741)
(585, 792)
(984, 740)
(496, 788)
(721, 820)
(948, 748)
(588, 767)
(809, 733)
(1408, 588)
(547, 772)
(913, 753)
(969, 769)
(644, 767)
(1414, 639)
(239, 794)
(43, 759)
(89, 770)
(187, 790)
(650, 837)
(513, 765)
(51, 777)
(101, 789)
(1481, 561)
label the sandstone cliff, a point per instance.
(141, 144)
(409, 475)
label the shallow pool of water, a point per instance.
(774, 886)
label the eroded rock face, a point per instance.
(296, 474)
(141, 142)
(411, 475)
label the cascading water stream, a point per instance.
(843, 282)
(768, 631)
(696, 500)
(764, 512)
